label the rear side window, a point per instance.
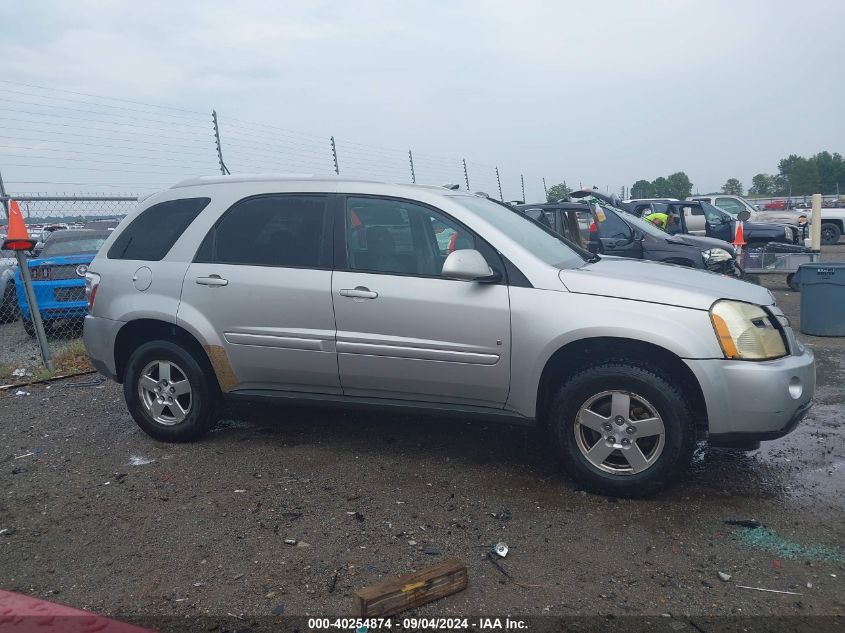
(154, 232)
(275, 230)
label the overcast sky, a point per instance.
(599, 93)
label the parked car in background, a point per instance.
(833, 225)
(58, 279)
(625, 364)
(735, 204)
(8, 301)
(701, 218)
(611, 231)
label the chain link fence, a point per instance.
(69, 230)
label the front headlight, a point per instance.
(746, 331)
(716, 255)
(787, 232)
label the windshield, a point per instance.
(521, 229)
(52, 248)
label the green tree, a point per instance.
(558, 192)
(679, 185)
(661, 187)
(762, 185)
(733, 187)
(642, 189)
(804, 177)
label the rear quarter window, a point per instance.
(155, 230)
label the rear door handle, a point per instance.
(359, 292)
(212, 280)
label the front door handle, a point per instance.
(212, 280)
(359, 292)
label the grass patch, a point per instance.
(71, 359)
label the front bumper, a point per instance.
(748, 401)
(99, 336)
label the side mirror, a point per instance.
(467, 265)
(743, 215)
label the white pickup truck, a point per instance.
(833, 225)
(735, 204)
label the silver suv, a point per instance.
(424, 298)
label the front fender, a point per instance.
(545, 321)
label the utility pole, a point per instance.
(545, 189)
(466, 175)
(223, 169)
(334, 157)
(34, 310)
(522, 180)
(499, 181)
(413, 175)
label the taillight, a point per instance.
(92, 282)
(594, 228)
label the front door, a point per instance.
(404, 331)
(261, 287)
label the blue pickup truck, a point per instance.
(58, 279)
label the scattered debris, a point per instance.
(239, 490)
(199, 584)
(290, 541)
(303, 544)
(237, 576)
(21, 392)
(789, 593)
(137, 460)
(502, 515)
(724, 577)
(412, 590)
(775, 564)
(21, 372)
(809, 585)
(500, 549)
(746, 523)
(358, 516)
(291, 515)
(29, 454)
(431, 551)
(412, 543)
(8, 531)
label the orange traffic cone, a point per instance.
(17, 238)
(739, 238)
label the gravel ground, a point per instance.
(200, 530)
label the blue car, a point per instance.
(58, 279)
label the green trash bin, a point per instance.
(822, 298)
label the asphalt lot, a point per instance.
(201, 528)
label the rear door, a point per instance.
(260, 286)
(404, 331)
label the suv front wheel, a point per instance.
(168, 393)
(622, 428)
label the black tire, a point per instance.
(830, 233)
(646, 382)
(9, 310)
(204, 395)
(792, 283)
(28, 327)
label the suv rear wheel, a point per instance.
(622, 428)
(168, 393)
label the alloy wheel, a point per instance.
(619, 432)
(165, 392)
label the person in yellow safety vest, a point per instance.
(658, 219)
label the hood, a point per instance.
(699, 241)
(641, 280)
(84, 258)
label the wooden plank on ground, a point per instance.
(411, 590)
